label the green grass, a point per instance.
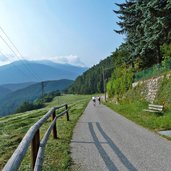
(57, 153)
(164, 93)
(134, 111)
(133, 102)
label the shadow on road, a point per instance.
(109, 163)
(116, 150)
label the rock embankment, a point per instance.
(151, 87)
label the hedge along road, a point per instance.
(104, 140)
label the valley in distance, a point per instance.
(18, 85)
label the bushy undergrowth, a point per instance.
(27, 106)
(38, 103)
(120, 82)
(164, 93)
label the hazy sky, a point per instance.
(70, 31)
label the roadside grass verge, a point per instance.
(57, 153)
(133, 102)
(134, 111)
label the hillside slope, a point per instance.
(4, 91)
(57, 156)
(91, 81)
(9, 103)
(15, 87)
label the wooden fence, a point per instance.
(33, 137)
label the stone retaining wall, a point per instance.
(151, 87)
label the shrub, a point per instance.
(120, 82)
(27, 106)
(164, 93)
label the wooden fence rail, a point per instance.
(33, 137)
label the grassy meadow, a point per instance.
(134, 111)
(57, 153)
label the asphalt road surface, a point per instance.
(104, 140)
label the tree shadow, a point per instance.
(109, 163)
(116, 150)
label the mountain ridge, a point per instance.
(37, 71)
(16, 86)
(11, 101)
(4, 91)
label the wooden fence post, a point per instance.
(35, 147)
(54, 131)
(33, 137)
(67, 114)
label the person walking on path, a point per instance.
(94, 100)
(99, 100)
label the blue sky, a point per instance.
(65, 31)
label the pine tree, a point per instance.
(147, 25)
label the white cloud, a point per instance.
(70, 59)
(8, 58)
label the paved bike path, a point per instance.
(104, 140)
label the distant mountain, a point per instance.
(14, 99)
(4, 91)
(17, 86)
(36, 71)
